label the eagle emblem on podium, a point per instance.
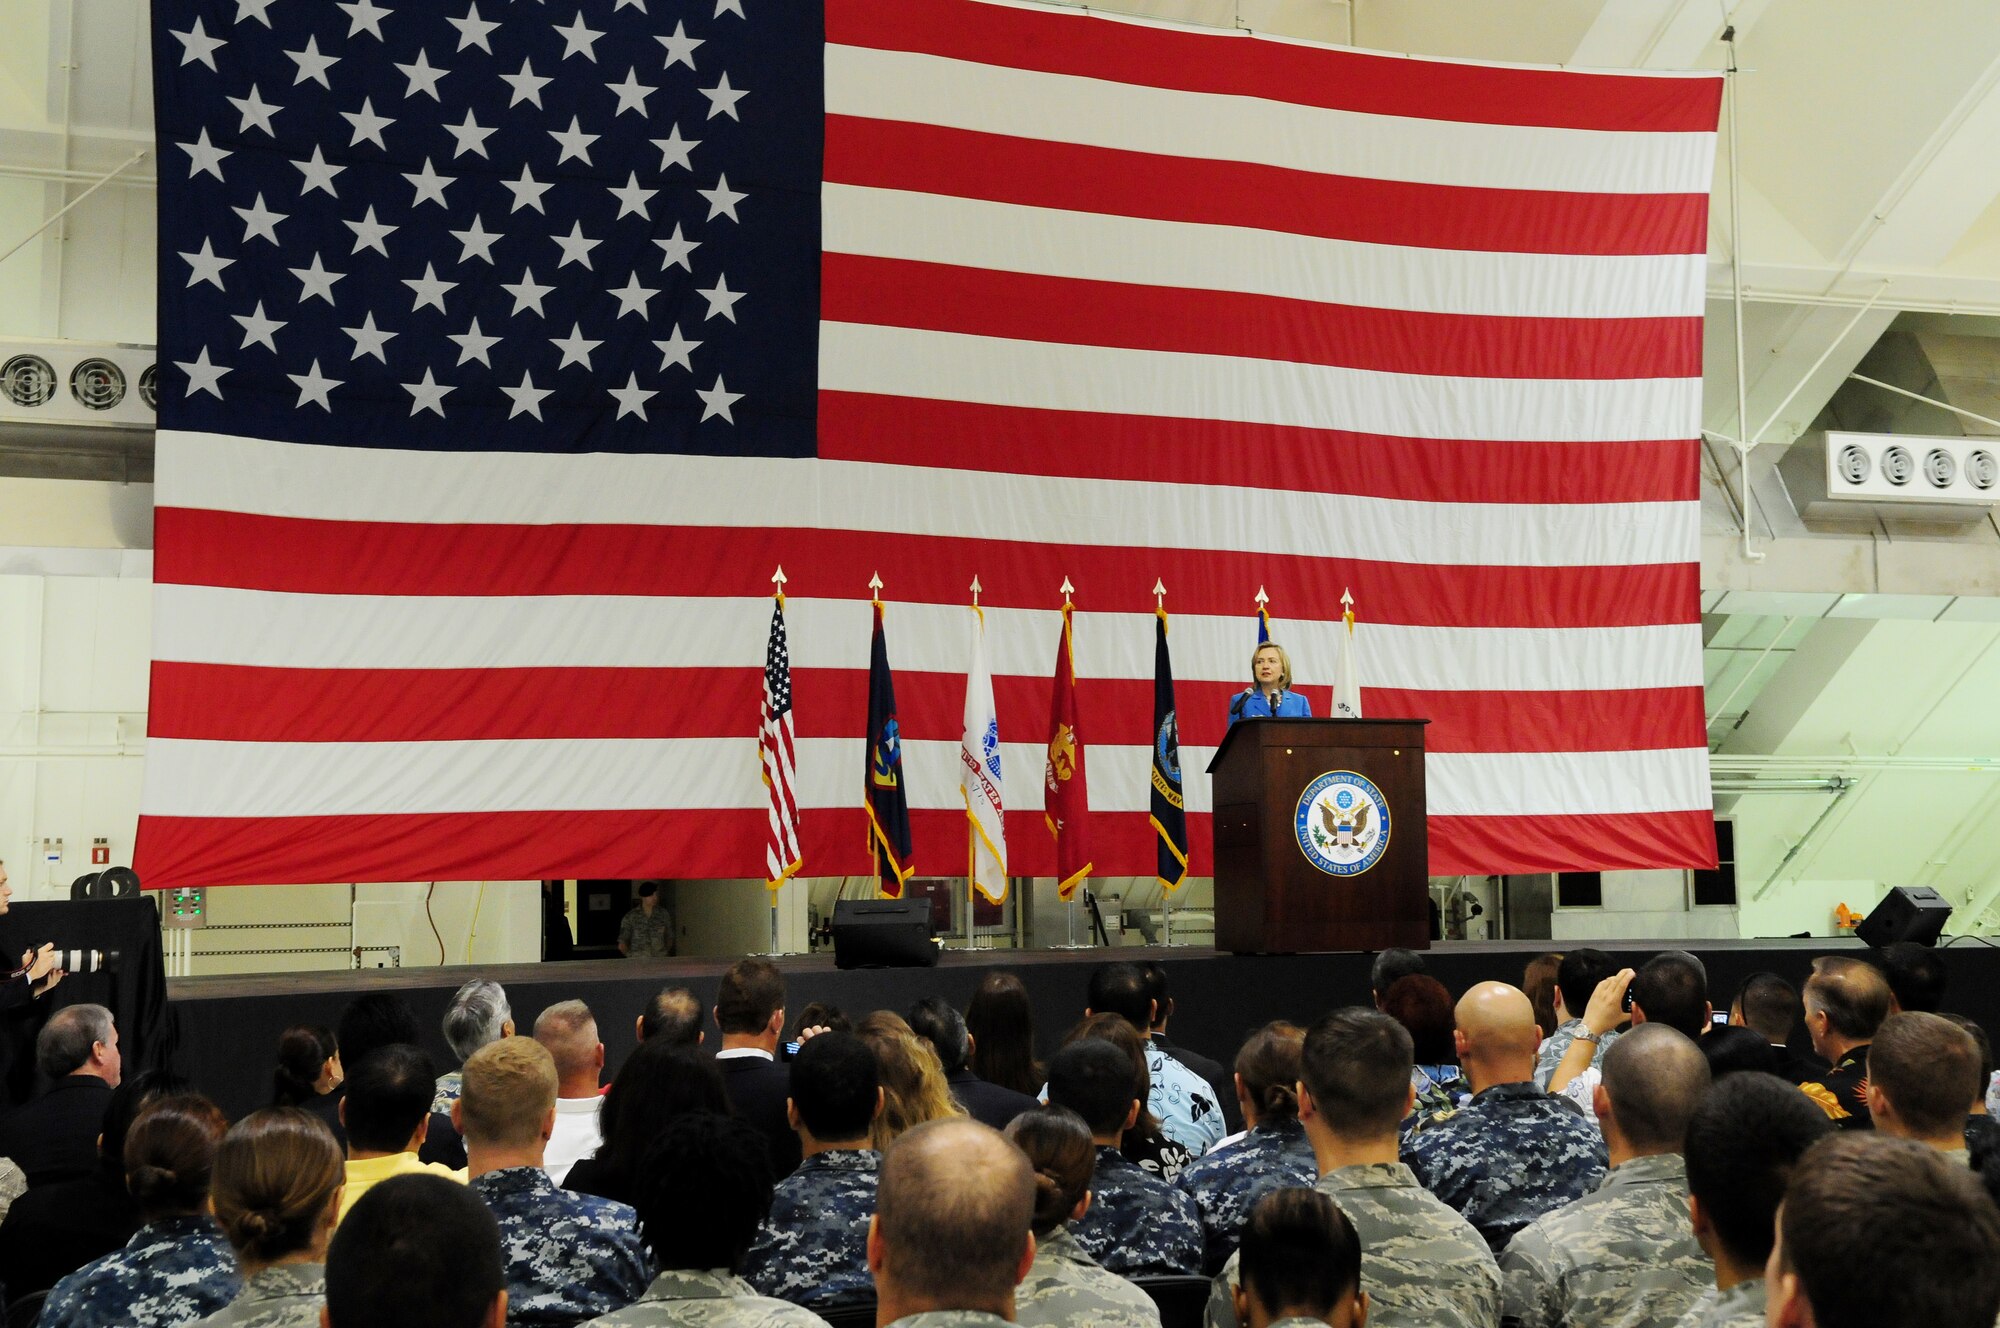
(1342, 823)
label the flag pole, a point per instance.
(1167, 896)
(1066, 592)
(971, 832)
(778, 592)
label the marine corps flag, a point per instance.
(887, 801)
(1065, 799)
(1169, 808)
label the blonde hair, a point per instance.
(509, 1089)
(914, 1089)
(275, 1173)
(1284, 664)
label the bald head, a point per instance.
(1654, 1080)
(952, 1212)
(1846, 1001)
(1497, 1036)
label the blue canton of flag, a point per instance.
(478, 225)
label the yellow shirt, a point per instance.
(367, 1172)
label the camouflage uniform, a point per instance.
(1066, 1286)
(172, 1271)
(813, 1248)
(1742, 1306)
(568, 1256)
(1556, 1043)
(1138, 1225)
(1184, 1102)
(950, 1319)
(1623, 1257)
(1505, 1158)
(685, 1298)
(448, 1088)
(285, 1295)
(1224, 1184)
(647, 935)
(1422, 1265)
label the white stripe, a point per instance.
(223, 473)
(1010, 237)
(221, 625)
(994, 99)
(190, 778)
(954, 366)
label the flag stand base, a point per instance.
(775, 951)
(1072, 943)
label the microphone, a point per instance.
(1272, 701)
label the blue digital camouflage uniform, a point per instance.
(1184, 1102)
(1138, 1225)
(1224, 1184)
(1505, 1158)
(685, 1298)
(1556, 1043)
(172, 1271)
(1622, 1257)
(1422, 1265)
(813, 1248)
(285, 1295)
(568, 1256)
(449, 1085)
(1065, 1286)
(1742, 1306)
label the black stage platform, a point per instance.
(229, 1026)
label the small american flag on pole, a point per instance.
(774, 751)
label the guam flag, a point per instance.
(887, 800)
(1168, 806)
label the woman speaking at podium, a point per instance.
(1270, 694)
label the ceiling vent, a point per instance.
(77, 382)
(1896, 476)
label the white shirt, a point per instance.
(577, 1135)
(1582, 1089)
(740, 1053)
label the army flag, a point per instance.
(887, 800)
(1065, 798)
(1169, 809)
(979, 773)
(1346, 675)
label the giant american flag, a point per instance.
(508, 347)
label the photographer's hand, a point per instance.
(39, 963)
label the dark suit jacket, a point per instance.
(1222, 1080)
(52, 1231)
(54, 1137)
(989, 1103)
(758, 1089)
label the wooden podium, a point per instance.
(1320, 841)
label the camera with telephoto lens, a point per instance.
(79, 961)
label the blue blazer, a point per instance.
(1252, 705)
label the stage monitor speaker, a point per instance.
(1907, 913)
(883, 933)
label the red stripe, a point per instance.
(233, 703)
(913, 431)
(1215, 62)
(940, 297)
(200, 547)
(176, 851)
(965, 163)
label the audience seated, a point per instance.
(1538, 984)
(673, 1016)
(1770, 1006)
(1670, 989)
(1577, 976)
(1513, 1152)
(419, 1252)
(1626, 1254)
(750, 1011)
(54, 1137)
(1301, 1264)
(1002, 1023)
(1146, 1142)
(176, 1268)
(1137, 1224)
(1883, 1233)
(1923, 1076)
(1390, 965)
(659, 1082)
(1732, 1050)
(276, 1196)
(934, 1020)
(1916, 976)
(387, 1113)
(818, 1017)
(568, 1256)
(813, 1249)
(1188, 1109)
(950, 1238)
(913, 1084)
(569, 1032)
(699, 1247)
(478, 1014)
(1421, 1004)
(1846, 1000)
(1272, 1154)
(1065, 1285)
(1211, 1071)
(1422, 1264)
(53, 1230)
(1982, 1131)
(309, 1073)
(1742, 1144)
(383, 1019)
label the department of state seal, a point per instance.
(1342, 823)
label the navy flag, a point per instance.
(887, 801)
(1169, 808)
